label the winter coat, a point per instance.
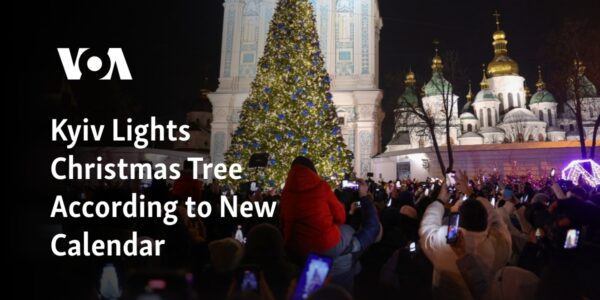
(492, 245)
(310, 213)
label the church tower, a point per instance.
(349, 40)
(505, 81)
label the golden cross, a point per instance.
(497, 15)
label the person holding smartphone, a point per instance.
(313, 221)
(484, 233)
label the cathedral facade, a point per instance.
(349, 39)
(502, 110)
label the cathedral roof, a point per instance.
(408, 96)
(437, 85)
(519, 114)
(542, 95)
(485, 95)
(585, 87)
(467, 116)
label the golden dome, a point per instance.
(540, 84)
(410, 78)
(501, 64)
(470, 93)
(436, 62)
(484, 83)
(499, 35)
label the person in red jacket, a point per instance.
(310, 212)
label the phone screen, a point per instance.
(572, 239)
(412, 247)
(248, 279)
(552, 172)
(389, 203)
(398, 184)
(453, 222)
(426, 192)
(238, 234)
(313, 276)
(347, 184)
(450, 180)
(109, 282)
(508, 193)
(538, 233)
(493, 201)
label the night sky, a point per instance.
(171, 46)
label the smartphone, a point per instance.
(389, 203)
(552, 172)
(453, 222)
(412, 247)
(464, 198)
(450, 179)
(238, 234)
(493, 201)
(313, 276)
(109, 282)
(508, 194)
(357, 204)
(426, 193)
(497, 188)
(398, 184)
(347, 184)
(572, 239)
(538, 233)
(248, 279)
(253, 186)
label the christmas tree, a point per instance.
(290, 111)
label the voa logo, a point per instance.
(94, 63)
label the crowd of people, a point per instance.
(479, 237)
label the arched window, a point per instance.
(489, 117)
(571, 127)
(501, 102)
(462, 127)
(481, 117)
(541, 115)
(520, 138)
(421, 143)
(540, 137)
(497, 116)
(469, 127)
(511, 104)
(519, 99)
(530, 138)
(549, 117)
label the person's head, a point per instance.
(264, 244)
(225, 254)
(537, 215)
(301, 160)
(473, 216)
